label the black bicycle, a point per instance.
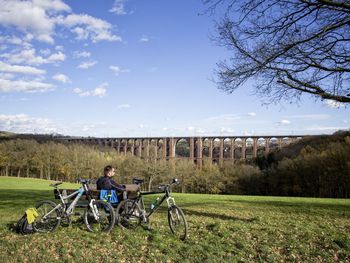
(98, 216)
(132, 212)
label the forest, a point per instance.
(317, 166)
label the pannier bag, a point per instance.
(25, 225)
(109, 196)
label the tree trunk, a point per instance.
(41, 171)
(150, 183)
(19, 172)
(27, 171)
(7, 170)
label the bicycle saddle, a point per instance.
(56, 184)
(137, 181)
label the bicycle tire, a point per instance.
(50, 223)
(177, 222)
(106, 220)
(128, 214)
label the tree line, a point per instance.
(317, 167)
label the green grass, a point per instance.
(221, 229)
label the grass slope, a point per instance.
(221, 228)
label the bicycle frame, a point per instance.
(70, 209)
(170, 201)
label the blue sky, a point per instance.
(129, 68)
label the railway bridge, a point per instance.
(217, 149)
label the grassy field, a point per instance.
(221, 229)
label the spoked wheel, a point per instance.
(48, 219)
(102, 220)
(177, 222)
(128, 214)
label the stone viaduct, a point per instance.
(217, 149)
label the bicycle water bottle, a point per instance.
(154, 203)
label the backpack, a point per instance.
(25, 226)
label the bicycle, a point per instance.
(132, 212)
(98, 216)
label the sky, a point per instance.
(132, 68)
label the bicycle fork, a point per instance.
(94, 209)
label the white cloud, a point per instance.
(87, 64)
(117, 70)
(144, 39)
(20, 69)
(284, 122)
(190, 128)
(124, 106)
(99, 91)
(28, 56)
(6, 76)
(251, 114)
(22, 123)
(24, 86)
(88, 27)
(38, 19)
(77, 90)
(61, 78)
(82, 54)
(333, 104)
(32, 16)
(118, 7)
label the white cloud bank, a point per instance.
(118, 7)
(117, 70)
(99, 91)
(31, 86)
(22, 123)
(40, 18)
(4, 67)
(87, 64)
(61, 78)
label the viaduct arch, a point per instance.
(217, 149)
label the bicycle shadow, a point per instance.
(190, 212)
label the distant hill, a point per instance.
(319, 142)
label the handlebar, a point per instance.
(174, 181)
(56, 184)
(85, 181)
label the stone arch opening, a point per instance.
(182, 148)
(261, 144)
(227, 148)
(249, 148)
(238, 148)
(216, 149)
(273, 143)
(206, 147)
(286, 141)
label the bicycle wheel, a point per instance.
(105, 217)
(48, 218)
(128, 214)
(177, 222)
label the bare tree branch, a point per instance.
(289, 47)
